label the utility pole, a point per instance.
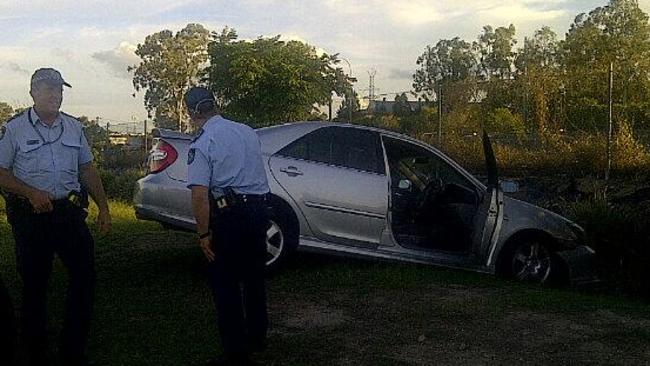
(146, 150)
(440, 113)
(349, 98)
(609, 133)
(371, 87)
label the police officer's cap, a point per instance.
(48, 75)
(197, 96)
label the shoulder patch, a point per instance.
(190, 156)
(3, 130)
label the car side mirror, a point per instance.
(405, 184)
(509, 186)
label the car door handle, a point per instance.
(291, 171)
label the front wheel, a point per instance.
(532, 261)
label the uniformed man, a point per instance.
(45, 163)
(229, 188)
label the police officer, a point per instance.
(45, 162)
(229, 189)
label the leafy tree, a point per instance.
(269, 81)
(351, 98)
(618, 33)
(450, 60)
(496, 51)
(170, 64)
(402, 108)
(97, 137)
(539, 81)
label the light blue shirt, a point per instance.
(45, 157)
(227, 154)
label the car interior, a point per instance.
(432, 204)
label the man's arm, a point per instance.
(40, 200)
(89, 179)
(201, 211)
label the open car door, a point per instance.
(489, 216)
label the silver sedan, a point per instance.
(356, 190)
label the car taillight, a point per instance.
(161, 157)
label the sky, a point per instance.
(93, 42)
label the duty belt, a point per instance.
(232, 199)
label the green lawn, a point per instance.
(153, 307)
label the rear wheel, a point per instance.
(281, 238)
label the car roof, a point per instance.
(274, 138)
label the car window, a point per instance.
(341, 146)
(419, 165)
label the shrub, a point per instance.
(503, 121)
(620, 235)
(120, 185)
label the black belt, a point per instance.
(252, 198)
(232, 199)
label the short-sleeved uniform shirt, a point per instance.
(46, 157)
(225, 154)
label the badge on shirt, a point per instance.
(3, 130)
(190, 156)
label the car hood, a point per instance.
(523, 215)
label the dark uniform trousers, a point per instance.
(7, 327)
(237, 275)
(38, 237)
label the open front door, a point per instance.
(487, 222)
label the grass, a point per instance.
(153, 307)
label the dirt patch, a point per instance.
(456, 325)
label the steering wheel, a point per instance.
(431, 193)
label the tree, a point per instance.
(450, 60)
(6, 111)
(618, 33)
(402, 108)
(496, 51)
(96, 136)
(538, 82)
(350, 99)
(171, 63)
(269, 81)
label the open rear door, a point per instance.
(487, 222)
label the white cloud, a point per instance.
(14, 67)
(119, 59)
(518, 13)
(413, 12)
(401, 74)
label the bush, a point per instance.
(620, 235)
(120, 185)
(503, 121)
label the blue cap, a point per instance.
(197, 95)
(49, 75)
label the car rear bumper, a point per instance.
(158, 198)
(153, 214)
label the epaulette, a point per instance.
(71, 116)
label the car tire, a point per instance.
(281, 239)
(532, 260)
